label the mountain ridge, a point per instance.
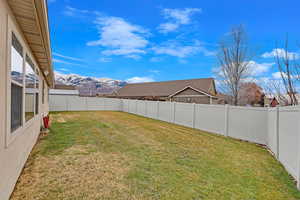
(89, 86)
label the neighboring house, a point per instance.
(279, 100)
(88, 90)
(200, 91)
(25, 76)
(274, 102)
(64, 90)
(224, 99)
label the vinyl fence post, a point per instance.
(194, 114)
(277, 132)
(67, 103)
(104, 105)
(174, 112)
(157, 110)
(86, 106)
(146, 109)
(226, 120)
(121, 105)
(136, 108)
(298, 157)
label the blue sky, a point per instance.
(156, 40)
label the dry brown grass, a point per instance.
(114, 155)
(74, 174)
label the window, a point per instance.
(17, 77)
(30, 78)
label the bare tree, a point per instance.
(274, 88)
(297, 69)
(289, 72)
(234, 60)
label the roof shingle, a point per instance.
(165, 88)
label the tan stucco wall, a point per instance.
(13, 154)
(198, 100)
(188, 91)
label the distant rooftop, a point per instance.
(165, 88)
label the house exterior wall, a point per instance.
(14, 147)
(191, 96)
(190, 99)
(188, 91)
(212, 89)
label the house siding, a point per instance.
(189, 91)
(198, 100)
(14, 148)
(190, 95)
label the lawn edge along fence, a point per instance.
(277, 128)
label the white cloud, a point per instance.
(71, 11)
(63, 69)
(65, 62)
(120, 37)
(255, 69)
(281, 53)
(168, 27)
(174, 48)
(67, 57)
(103, 59)
(259, 68)
(133, 56)
(138, 79)
(176, 18)
(276, 75)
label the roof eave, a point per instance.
(38, 38)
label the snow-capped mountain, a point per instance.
(89, 85)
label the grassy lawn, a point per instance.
(114, 155)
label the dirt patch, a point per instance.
(75, 174)
(62, 118)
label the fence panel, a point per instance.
(95, 103)
(210, 118)
(272, 130)
(166, 111)
(288, 138)
(58, 103)
(152, 109)
(76, 103)
(125, 103)
(184, 114)
(132, 106)
(248, 124)
(141, 108)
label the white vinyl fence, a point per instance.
(277, 128)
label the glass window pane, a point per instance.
(16, 106)
(16, 66)
(16, 90)
(30, 89)
(37, 82)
